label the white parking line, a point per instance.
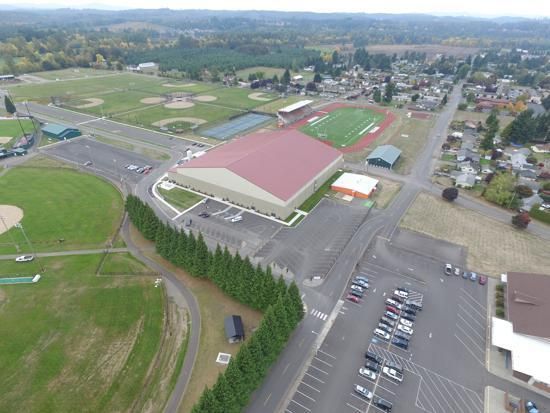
(316, 368)
(310, 386)
(389, 381)
(388, 390)
(288, 410)
(484, 308)
(301, 405)
(473, 319)
(435, 398)
(427, 399)
(326, 354)
(482, 350)
(315, 378)
(469, 327)
(354, 408)
(359, 398)
(322, 361)
(306, 396)
(473, 308)
(449, 393)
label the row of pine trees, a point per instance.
(237, 277)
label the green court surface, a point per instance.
(344, 126)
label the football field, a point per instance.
(344, 126)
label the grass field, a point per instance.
(123, 263)
(12, 129)
(274, 106)
(59, 204)
(517, 250)
(344, 126)
(74, 73)
(269, 72)
(314, 199)
(180, 198)
(461, 115)
(75, 341)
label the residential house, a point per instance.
(465, 180)
(467, 167)
(518, 160)
(532, 200)
(528, 174)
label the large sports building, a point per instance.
(273, 172)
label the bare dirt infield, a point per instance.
(164, 122)
(205, 98)
(259, 96)
(173, 85)
(493, 247)
(420, 115)
(4, 139)
(11, 215)
(179, 105)
(153, 100)
(92, 103)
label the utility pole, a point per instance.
(20, 226)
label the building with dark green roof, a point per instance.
(60, 132)
(384, 156)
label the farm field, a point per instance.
(78, 342)
(80, 209)
(344, 126)
(517, 250)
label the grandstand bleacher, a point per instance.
(294, 112)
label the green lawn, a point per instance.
(76, 342)
(73, 73)
(59, 204)
(123, 263)
(115, 102)
(314, 199)
(238, 98)
(540, 215)
(448, 157)
(269, 72)
(12, 128)
(344, 126)
(274, 106)
(180, 198)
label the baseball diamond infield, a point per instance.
(179, 104)
(91, 103)
(205, 98)
(152, 100)
(168, 121)
(9, 216)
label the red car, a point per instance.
(392, 309)
(352, 298)
(482, 279)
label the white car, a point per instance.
(406, 322)
(24, 258)
(405, 329)
(369, 374)
(448, 269)
(382, 334)
(401, 293)
(363, 391)
(237, 219)
(357, 288)
(393, 374)
(393, 303)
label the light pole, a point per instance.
(9, 233)
(90, 153)
(20, 226)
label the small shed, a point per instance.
(384, 156)
(234, 330)
(60, 132)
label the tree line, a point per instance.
(237, 277)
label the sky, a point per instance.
(482, 8)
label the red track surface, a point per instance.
(366, 140)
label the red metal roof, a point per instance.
(279, 162)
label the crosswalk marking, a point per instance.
(318, 314)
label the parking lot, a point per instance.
(442, 367)
(97, 156)
(310, 249)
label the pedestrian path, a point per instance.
(318, 314)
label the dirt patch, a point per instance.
(259, 96)
(493, 247)
(420, 115)
(153, 100)
(164, 122)
(11, 215)
(173, 85)
(206, 98)
(4, 139)
(91, 103)
(179, 105)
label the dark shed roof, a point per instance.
(234, 326)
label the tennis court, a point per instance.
(20, 280)
(235, 126)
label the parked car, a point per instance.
(368, 374)
(531, 407)
(398, 299)
(393, 303)
(87, 163)
(360, 283)
(385, 327)
(24, 258)
(363, 392)
(393, 374)
(456, 271)
(448, 269)
(381, 334)
(371, 365)
(392, 309)
(394, 365)
(352, 298)
(362, 278)
(399, 342)
(400, 293)
(417, 305)
(482, 279)
(204, 214)
(391, 315)
(387, 321)
(408, 316)
(405, 329)
(383, 404)
(405, 289)
(237, 219)
(374, 357)
(406, 322)
(465, 275)
(358, 294)
(408, 309)
(402, 335)
(473, 276)
(356, 288)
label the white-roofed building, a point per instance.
(358, 186)
(292, 113)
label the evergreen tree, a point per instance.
(10, 107)
(235, 379)
(224, 395)
(317, 78)
(190, 254)
(209, 403)
(284, 325)
(260, 361)
(444, 100)
(295, 301)
(215, 268)
(285, 80)
(201, 260)
(377, 96)
(181, 249)
(247, 366)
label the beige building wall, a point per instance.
(227, 185)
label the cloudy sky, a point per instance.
(530, 8)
